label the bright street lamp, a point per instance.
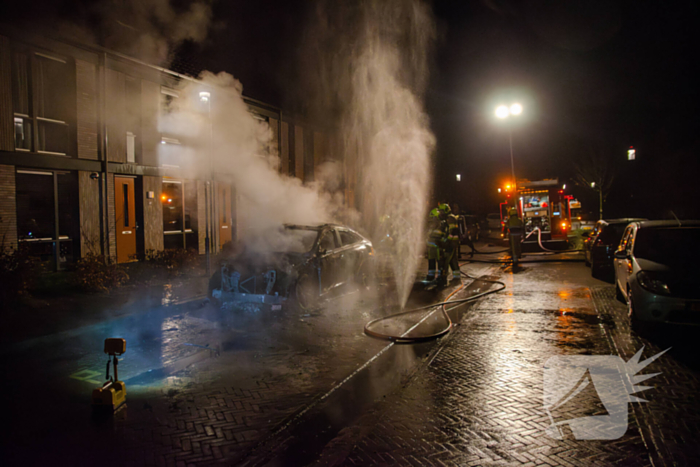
(503, 112)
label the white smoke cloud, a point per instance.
(235, 149)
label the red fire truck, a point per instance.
(542, 204)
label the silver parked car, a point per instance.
(657, 274)
(494, 221)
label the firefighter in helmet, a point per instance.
(450, 241)
(515, 232)
(435, 235)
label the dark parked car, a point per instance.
(301, 264)
(600, 246)
(657, 275)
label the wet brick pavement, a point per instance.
(478, 401)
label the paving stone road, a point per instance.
(479, 399)
(473, 398)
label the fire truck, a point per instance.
(542, 204)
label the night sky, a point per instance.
(597, 75)
(594, 75)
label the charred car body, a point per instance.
(298, 264)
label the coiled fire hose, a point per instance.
(405, 339)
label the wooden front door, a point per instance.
(223, 203)
(125, 210)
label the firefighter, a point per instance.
(450, 241)
(515, 232)
(434, 243)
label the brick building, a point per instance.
(85, 164)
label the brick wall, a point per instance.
(89, 201)
(86, 84)
(150, 112)
(284, 149)
(152, 214)
(116, 114)
(275, 143)
(320, 151)
(8, 207)
(111, 218)
(299, 152)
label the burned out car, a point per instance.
(297, 265)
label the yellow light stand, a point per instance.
(112, 394)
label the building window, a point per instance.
(40, 218)
(43, 98)
(179, 200)
(170, 152)
(21, 98)
(191, 215)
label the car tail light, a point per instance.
(599, 242)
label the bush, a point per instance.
(18, 271)
(94, 274)
(178, 261)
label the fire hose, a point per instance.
(405, 339)
(539, 241)
(547, 252)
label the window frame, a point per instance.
(57, 238)
(33, 55)
(183, 219)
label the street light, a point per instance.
(503, 112)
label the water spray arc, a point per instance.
(371, 62)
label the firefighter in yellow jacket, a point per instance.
(450, 242)
(435, 235)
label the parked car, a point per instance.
(601, 244)
(469, 228)
(494, 221)
(301, 264)
(656, 273)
